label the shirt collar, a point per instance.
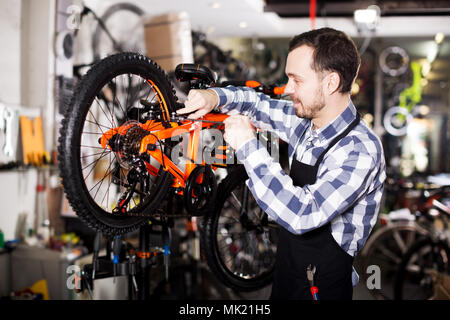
(337, 125)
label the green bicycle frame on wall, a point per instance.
(411, 96)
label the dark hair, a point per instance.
(333, 51)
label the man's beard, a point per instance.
(312, 110)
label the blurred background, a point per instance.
(402, 91)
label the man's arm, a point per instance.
(265, 113)
(298, 209)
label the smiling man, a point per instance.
(329, 202)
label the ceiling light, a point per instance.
(216, 5)
(424, 110)
(210, 29)
(368, 118)
(432, 52)
(243, 25)
(423, 82)
(426, 67)
(439, 37)
(367, 18)
(355, 88)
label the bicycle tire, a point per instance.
(112, 10)
(424, 279)
(213, 252)
(72, 136)
(376, 241)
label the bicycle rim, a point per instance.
(385, 249)
(242, 256)
(100, 180)
(415, 280)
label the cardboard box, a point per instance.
(168, 39)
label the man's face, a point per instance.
(304, 85)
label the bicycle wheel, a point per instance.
(385, 249)
(238, 241)
(128, 36)
(414, 279)
(98, 180)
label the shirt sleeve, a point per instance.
(273, 115)
(338, 187)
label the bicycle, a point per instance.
(117, 172)
(105, 40)
(426, 261)
(396, 232)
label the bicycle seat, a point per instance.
(191, 71)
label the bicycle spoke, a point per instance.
(399, 241)
(103, 111)
(107, 190)
(99, 125)
(118, 102)
(96, 122)
(91, 155)
(103, 179)
(92, 169)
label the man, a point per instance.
(329, 203)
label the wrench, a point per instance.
(310, 272)
(8, 116)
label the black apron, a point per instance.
(333, 275)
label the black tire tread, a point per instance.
(236, 176)
(71, 121)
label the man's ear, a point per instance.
(332, 83)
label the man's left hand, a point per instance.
(238, 130)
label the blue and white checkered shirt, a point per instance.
(349, 185)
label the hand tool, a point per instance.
(166, 241)
(96, 249)
(310, 272)
(116, 253)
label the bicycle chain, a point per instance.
(159, 213)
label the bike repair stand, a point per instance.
(120, 260)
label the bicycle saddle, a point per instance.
(191, 71)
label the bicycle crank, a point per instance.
(200, 191)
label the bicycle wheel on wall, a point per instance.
(414, 279)
(99, 180)
(238, 240)
(124, 31)
(385, 249)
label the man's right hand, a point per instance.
(199, 102)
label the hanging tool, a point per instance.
(116, 252)
(166, 243)
(96, 249)
(310, 272)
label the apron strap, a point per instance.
(339, 137)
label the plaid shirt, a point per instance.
(349, 183)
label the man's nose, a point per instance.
(289, 89)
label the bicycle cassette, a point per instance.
(200, 191)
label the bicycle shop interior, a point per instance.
(52, 249)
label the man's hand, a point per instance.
(200, 101)
(238, 130)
